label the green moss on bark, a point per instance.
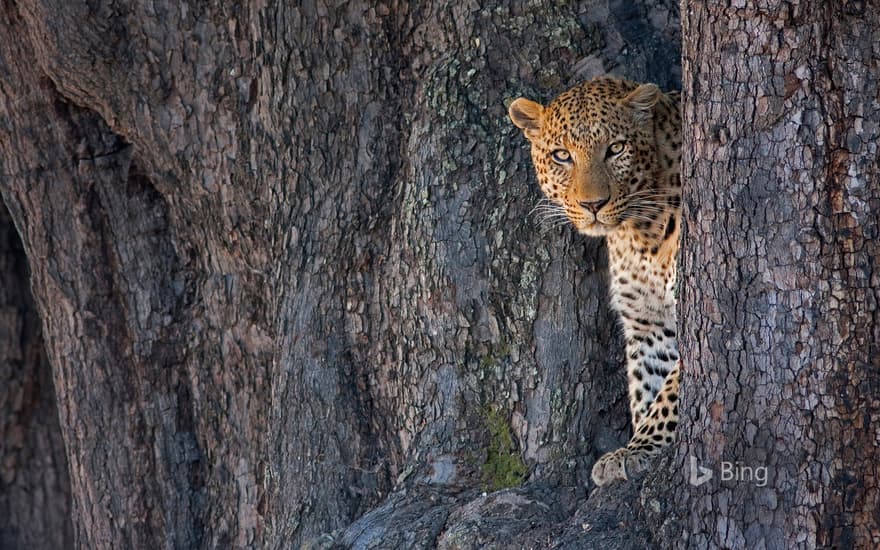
(503, 467)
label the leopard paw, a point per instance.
(618, 465)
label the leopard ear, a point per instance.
(527, 115)
(642, 100)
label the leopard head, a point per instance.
(596, 153)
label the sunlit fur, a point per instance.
(632, 198)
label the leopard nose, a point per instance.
(594, 206)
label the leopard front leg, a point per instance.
(655, 431)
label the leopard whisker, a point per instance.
(658, 192)
(551, 214)
(648, 207)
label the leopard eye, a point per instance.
(561, 156)
(615, 148)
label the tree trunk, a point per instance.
(286, 272)
(35, 495)
(291, 291)
(779, 304)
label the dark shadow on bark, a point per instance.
(34, 485)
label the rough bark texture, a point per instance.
(286, 271)
(781, 271)
(34, 486)
(291, 292)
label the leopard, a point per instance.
(606, 153)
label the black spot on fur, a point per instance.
(670, 228)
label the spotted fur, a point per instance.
(607, 154)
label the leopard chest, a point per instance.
(642, 284)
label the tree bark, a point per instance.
(779, 304)
(34, 486)
(286, 272)
(291, 293)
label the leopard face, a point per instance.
(595, 151)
